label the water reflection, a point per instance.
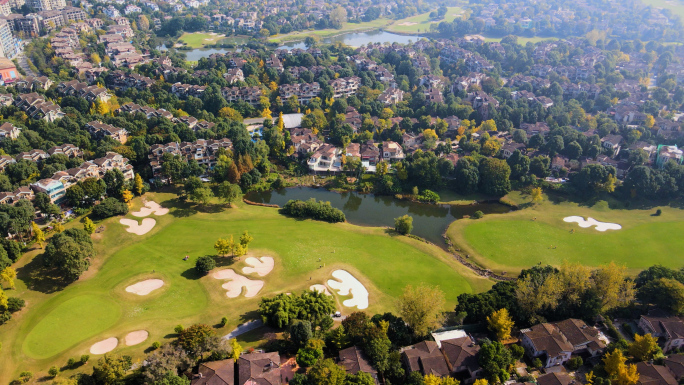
(429, 221)
(357, 39)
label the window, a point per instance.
(13, 75)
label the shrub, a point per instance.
(71, 362)
(628, 329)
(84, 358)
(205, 264)
(53, 371)
(5, 316)
(25, 376)
(537, 363)
(575, 363)
(178, 329)
(478, 214)
(110, 207)
(155, 345)
(429, 196)
(403, 225)
(224, 321)
(658, 212)
(15, 304)
(321, 211)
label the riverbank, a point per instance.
(299, 36)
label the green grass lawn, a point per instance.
(322, 33)
(63, 322)
(200, 39)
(523, 40)
(421, 23)
(514, 241)
(676, 6)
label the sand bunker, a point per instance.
(136, 337)
(145, 287)
(407, 23)
(237, 282)
(349, 285)
(261, 266)
(600, 226)
(138, 229)
(105, 346)
(150, 208)
(320, 289)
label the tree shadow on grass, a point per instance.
(249, 316)
(40, 278)
(192, 274)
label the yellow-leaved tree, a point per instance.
(644, 347)
(617, 369)
(127, 197)
(536, 195)
(38, 235)
(138, 185)
(501, 324)
(7, 275)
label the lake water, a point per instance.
(198, 53)
(357, 39)
(429, 221)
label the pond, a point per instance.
(198, 53)
(429, 221)
(357, 39)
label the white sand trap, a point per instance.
(261, 266)
(320, 289)
(408, 23)
(145, 287)
(600, 226)
(136, 337)
(349, 285)
(105, 346)
(237, 282)
(150, 208)
(136, 228)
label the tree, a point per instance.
(644, 348)
(300, 333)
(194, 339)
(421, 308)
(613, 286)
(143, 22)
(536, 195)
(617, 369)
(127, 197)
(172, 379)
(500, 323)
(327, 372)
(53, 371)
(201, 195)
(88, 225)
(494, 177)
(245, 240)
(110, 207)
(205, 264)
(665, 293)
(224, 246)
(403, 225)
(59, 227)
(311, 353)
(3, 300)
(495, 359)
(70, 252)
(519, 164)
(8, 275)
(228, 192)
(138, 185)
(235, 349)
(338, 17)
(283, 309)
(111, 369)
(38, 235)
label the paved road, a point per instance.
(244, 328)
(23, 63)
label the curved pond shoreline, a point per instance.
(430, 221)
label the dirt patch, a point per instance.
(261, 266)
(104, 346)
(348, 284)
(237, 282)
(136, 228)
(136, 337)
(145, 287)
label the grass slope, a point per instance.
(514, 241)
(200, 39)
(676, 6)
(63, 322)
(323, 33)
(421, 23)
